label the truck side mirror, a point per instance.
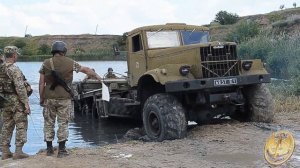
(116, 49)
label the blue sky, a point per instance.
(64, 17)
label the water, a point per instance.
(84, 131)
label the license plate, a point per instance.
(225, 82)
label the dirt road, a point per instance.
(228, 144)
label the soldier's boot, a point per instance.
(50, 150)
(6, 153)
(19, 154)
(62, 152)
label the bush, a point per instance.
(122, 41)
(280, 24)
(274, 17)
(243, 32)
(280, 52)
(258, 47)
(285, 23)
(225, 18)
(19, 43)
(44, 49)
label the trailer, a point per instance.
(88, 98)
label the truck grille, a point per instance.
(219, 61)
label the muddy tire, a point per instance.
(164, 118)
(259, 103)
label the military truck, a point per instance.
(175, 75)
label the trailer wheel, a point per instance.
(76, 105)
(259, 103)
(164, 118)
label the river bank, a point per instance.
(228, 144)
(105, 55)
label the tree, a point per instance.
(44, 49)
(122, 41)
(243, 32)
(294, 5)
(225, 18)
(281, 7)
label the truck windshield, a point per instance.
(162, 39)
(194, 37)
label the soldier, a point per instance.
(56, 75)
(16, 105)
(110, 73)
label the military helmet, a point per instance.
(110, 69)
(59, 46)
(11, 50)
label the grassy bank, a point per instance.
(82, 57)
(286, 104)
(286, 95)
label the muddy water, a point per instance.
(84, 131)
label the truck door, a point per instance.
(136, 59)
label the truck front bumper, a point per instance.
(222, 82)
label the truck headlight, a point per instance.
(184, 70)
(247, 65)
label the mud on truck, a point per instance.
(175, 75)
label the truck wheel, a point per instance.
(259, 103)
(164, 118)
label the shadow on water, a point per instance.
(101, 131)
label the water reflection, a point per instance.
(101, 132)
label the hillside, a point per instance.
(287, 21)
(86, 42)
(40, 45)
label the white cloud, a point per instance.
(117, 16)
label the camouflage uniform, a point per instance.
(110, 75)
(58, 101)
(13, 111)
(61, 109)
(1, 57)
(13, 90)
